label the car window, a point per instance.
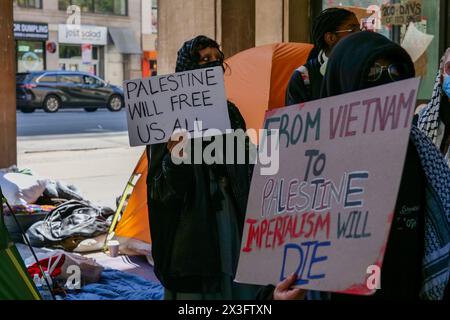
(20, 77)
(70, 78)
(49, 77)
(91, 80)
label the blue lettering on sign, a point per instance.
(307, 258)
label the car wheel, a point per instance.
(27, 110)
(115, 103)
(90, 109)
(52, 103)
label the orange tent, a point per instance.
(256, 81)
(130, 226)
(258, 78)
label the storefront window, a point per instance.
(367, 11)
(118, 7)
(74, 51)
(154, 16)
(30, 56)
(70, 59)
(426, 65)
(37, 4)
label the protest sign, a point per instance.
(158, 106)
(416, 42)
(401, 13)
(326, 214)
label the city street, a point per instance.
(89, 150)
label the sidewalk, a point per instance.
(98, 164)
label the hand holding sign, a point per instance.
(158, 106)
(326, 214)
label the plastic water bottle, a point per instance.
(42, 288)
(37, 281)
(49, 279)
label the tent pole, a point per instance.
(119, 209)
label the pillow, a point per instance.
(21, 189)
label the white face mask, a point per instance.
(323, 59)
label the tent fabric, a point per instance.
(255, 81)
(257, 78)
(15, 282)
(133, 229)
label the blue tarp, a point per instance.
(118, 285)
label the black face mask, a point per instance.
(384, 79)
(212, 64)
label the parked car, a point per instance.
(53, 90)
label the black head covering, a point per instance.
(329, 20)
(188, 59)
(188, 55)
(351, 59)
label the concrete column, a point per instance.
(297, 17)
(229, 22)
(269, 21)
(238, 26)
(178, 21)
(8, 140)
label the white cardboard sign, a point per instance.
(158, 106)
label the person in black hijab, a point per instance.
(331, 26)
(197, 211)
(417, 256)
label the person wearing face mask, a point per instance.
(434, 119)
(197, 211)
(417, 259)
(330, 27)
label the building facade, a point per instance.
(149, 37)
(236, 24)
(241, 24)
(102, 37)
(433, 18)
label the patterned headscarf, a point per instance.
(188, 58)
(436, 259)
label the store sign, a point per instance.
(401, 13)
(30, 31)
(79, 34)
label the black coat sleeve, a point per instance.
(169, 182)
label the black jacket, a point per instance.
(182, 217)
(298, 92)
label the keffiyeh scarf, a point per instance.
(436, 260)
(429, 120)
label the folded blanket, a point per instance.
(118, 285)
(28, 209)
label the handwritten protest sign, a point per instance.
(326, 214)
(158, 106)
(401, 13)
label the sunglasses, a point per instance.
(396, 71)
